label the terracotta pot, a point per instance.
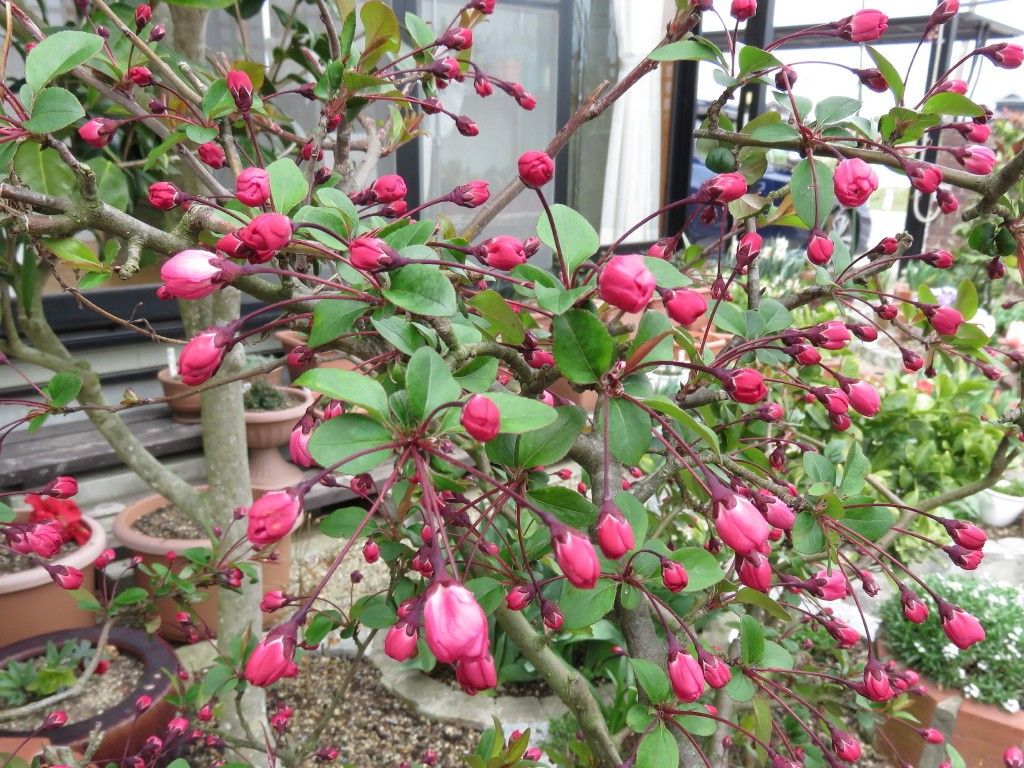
(187, 409)
(291, 339)
(152, 549)
(981, 732)
(123, 730)
(265, 433)
(40, 605)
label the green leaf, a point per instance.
(636, 513)
(751, 640)
(111, 183)
(870, 522)
(422, 289)
(333, 318)
(567, 505)
(380, 27)
(74, 253)
(855, 469)
(835, 109)
(489, 593)
(665, 274)
(819, 469)
(328, 218)
(730, 318)
(541, 447)
(802, 185)
(951, 104)
(775, 132)
(129, 596)
(663, 405)
(320, 626)
(59, 53)
(374, 612)
(967, 298)
(335, 198)
(955, 758)
(702, 568)
(774, 316)
(658, 748)
(558, 300)
(63, 388)
(808, 537)
(53, 109)
(429, 382)
(287, 184)
(348, 434)
(739, 688)
(889, 72)
(478, 374)
(584, 607)
(582, 345)
(217, 101)
(776, 656)
(694, 49)
(652, 679)
(347, 386)
(520, 414)
(577, 237)
(42, 170)
(761, 600)
(504, 320)
(422, 35)
(342, 523)
(629, 430)
(753, 59)
(653, 324)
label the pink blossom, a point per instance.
(723, 188)
(945, 320)
(962, 629)
(977, 159)
(755, 571)
(536, 169)
(685, 306)
(272, 517)
(400, 641)
(576, 557)
(273, 656)
(477, 674)
(746, 385)
(193, 274)
(741, 10)
(876, 682)
(455, 624)
(741, 526)
(864, 26)
(298, 447)
(626, 283)
(267, 232)
(864, 399)
(614, 533)
(685, 675)
(854, 182)
(924, 177)
(819, 248)
(716, 672)
(481, 418)
(673, 575)
(831, 585)
(845, 746)
(252, 186)
(502, 252)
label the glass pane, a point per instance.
(506, 131)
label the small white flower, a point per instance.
(950, 651)
(972, 691)
(1012, 706)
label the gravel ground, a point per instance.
(369, 727)
(168, 523)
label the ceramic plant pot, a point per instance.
(153, 549)
(39, 605)
(265, 433)
(999, 509)
(124, 730)
(186, 408)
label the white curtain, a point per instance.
(633, 169)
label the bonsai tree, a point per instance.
(706, 507)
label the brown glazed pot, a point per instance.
(265, 433)
(153, 549)
(123, 731)
(291, 339)
(187, 409)
(31, 604)
(981, 733)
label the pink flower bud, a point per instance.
(272, 517)
(240, 88)
(1013, 757)
(400, 641)
(552, 617)
(830, 585)
(1004, 55)
(157, 33)
(742, 10)
(475, 675)
(945, 320)
(914, 610)
(864, 399)
(931, 735)
(327, 754)
(864, 26)
(455, 624)
(723, 188)
(912, 361)
(777, 512)
(212, 154)
(252, 187)
(626, 283)
(746, 385)
(143, 703)
(193, 274)
(458, 38)
(481, 418)
(684, 306)
(177, 726)
(42, 539)
(854, 182)
(140, 76)
(370, 254)
(540, 358)
(872, 79)
(55, 719)
(967, 535)
(716, 672)
(962, 629)
(201, 357)
(536, 169)
(502, 252)
(748, 249)
(807, 355)
(98, 132)
(819, 248)
(163, 195)
(614, 533)
(105, 558)
(685, 675)
(143, 13)
(977, 159)
(673, 575)
(62, 487)
(576, 557)
(298, 447)
(267, 232)
(519, 598)
(471, 195)
(968, 559)
(741, 526)
(876, 682)
(845, 746)
(274, 600)
(273, 657)
(388, 189)
(832, 335)
(948, 202)
(755, 571)
(64, 576)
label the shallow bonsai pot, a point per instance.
(153, 549)
(999, 509)
(187, 408)
(123, 731)
(31, 604)
(265, 433)
(980, 734)
(291, 339)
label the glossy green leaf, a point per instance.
(652, 679)
(343, 436)
(53, 109)
(657, 749)
(429, 382)
(576, 235)
(751, 640)
(582, 345)
(702, 568)
(422, 289)
(333, 318)
(74, 253)
(521, 414)
(572, 508)
(694, 49)
(629, 429)
(892, 76)
(59, 53)
(42, 170)
(347, 386)
(951, 104)
(111, 183)
(807, 186)
(582, 608)
(287, 184)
